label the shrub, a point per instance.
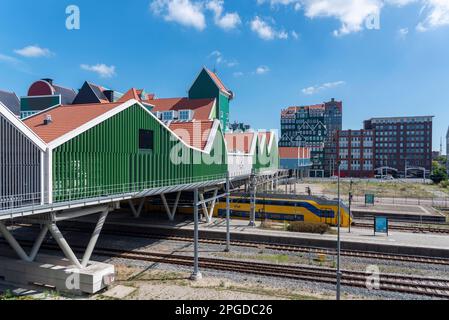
(444, 184)
(308, 227)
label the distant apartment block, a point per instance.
(356, 150)
(403, 144)
(313, 127)
(396, 146)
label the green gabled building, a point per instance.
(267, 152)
(208, 85)
(106, 149)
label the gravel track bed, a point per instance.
(260, 255)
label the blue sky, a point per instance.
(271, 53)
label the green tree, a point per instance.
(438, 174)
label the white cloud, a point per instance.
(262, 70)
(219, 59)
(226, 21)
(353, 14)
(102, 70)
(437, 15)
(403, 32)
(265, 31)
(318, 88)
(8, 59)
(295, 34)
(184, 12)
(238, 74)
(34, 52)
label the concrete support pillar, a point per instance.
(38, 243)
(57, 235)
(171, 212)
(93, 240)
(208, 211)
(196, 275)
(137, 212)
(13, 242)
(18, 248)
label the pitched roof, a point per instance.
(136, 94)
(240, 142)
(11, 101)
(16, 122)
(98, 90)
(194, 133)
(66, 118)
(294, 153)
(218, 82)
(202, 108)
(67, 94)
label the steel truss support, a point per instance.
(18, 248)
(171, 212)
(137, 212)
(208, 212)
(50, 225)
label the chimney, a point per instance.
(48, 120)
(109, 95)
(50, 81)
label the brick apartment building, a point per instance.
(397, 146)
(355, 150)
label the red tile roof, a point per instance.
(135, 94)
(202, 108)
(193, 133)
(294, 153)
(66, 118)
(239, 142)
(218, 82)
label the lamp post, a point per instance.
(338, 235)
(350, 202)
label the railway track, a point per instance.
(432, 287)
(125, 231)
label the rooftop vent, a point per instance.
(109, 94)
(48, 119)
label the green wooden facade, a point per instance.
(265, 158)
(106, 159)
(205, 87)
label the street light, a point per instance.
(338, 237)
(350, 202)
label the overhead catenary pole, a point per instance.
(338, 236)
(252, 186)
(196, 275)
(228, 214)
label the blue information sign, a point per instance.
(381, 225)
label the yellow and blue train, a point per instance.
(281, 207)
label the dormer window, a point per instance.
(185, 115)
(168, 115)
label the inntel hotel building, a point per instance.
(387, 146)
